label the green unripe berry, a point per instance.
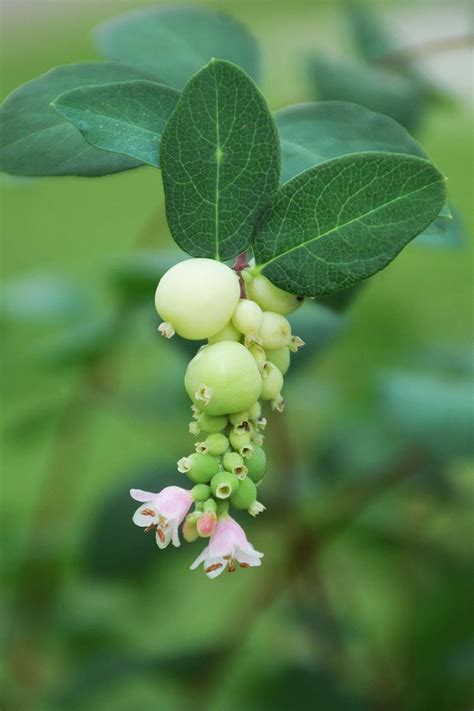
(256, 410)
(215, 444)
(210, 424)
(189, 529)
(272, 381)
(200, 468)
(275, 331)
(239, 418)
(196, 298)
(259, 354)
(223, 379)
(239, 439)
(247, 317)
(270, 297)
(234, 462)
(245, 495)
(224, 484)
(256, 464)
(280, 357)
(228, 333)
(200, 492)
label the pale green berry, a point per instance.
(259, 354)
(245, 495)
(228, 333)
(272, 381)
(197, 297)
(215, 444)
(234, 462)
(210, 424)
(224, 484)
(223, 379)
(257, 438)
(247, 318)
(275, 331)
(239, 418)
(268, 296)
(189, 529)
(238, 439)
(256, 410)
(280, 357)
(200, 468)
(246, 450)
(256, 464)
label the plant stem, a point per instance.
(404, 56)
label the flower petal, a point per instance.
(175, 534)
(140, 495)
(163, 537)
(247, 557)
(214, 567)
(145, 515)
(200, 559)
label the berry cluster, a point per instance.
(249, 341)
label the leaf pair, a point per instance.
(323, 230)
(152, 48)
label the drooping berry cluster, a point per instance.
(249, 342)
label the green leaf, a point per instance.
(380, 90)
(126, 117)
(368, 32)
(316, 132)
(36, 140)
(220, 160)
(171, 44)
(135, 276)
(346, 219)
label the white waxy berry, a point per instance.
(268, 296)
(279, 357)
(196, 298)
(247, 318)
(275, 331)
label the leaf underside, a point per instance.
(346, 219)
(127, 117)
(220, 160)
(171, 44)
(36, 140)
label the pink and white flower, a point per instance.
(228, 544)
(165, 511)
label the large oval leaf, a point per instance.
(126, 117)
(36, 140)
(171, 44)
(315, 132)
(346, 219)
(220, 159)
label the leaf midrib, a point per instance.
(260, 267)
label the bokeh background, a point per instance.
(364, 600)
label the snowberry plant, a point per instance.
(271, 209)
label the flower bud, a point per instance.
(211, 424)
(224, 484)
(268, 296)
(228, 333)
(275, 331)
(280, 357)
(223, 378)
(215, 444)
(256, 464)
(200, 468)
(247, 318)
(185, 293)
(272, 381)
(245, 495)
(206, 524)
(189, 529)
(234, 462)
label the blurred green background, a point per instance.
(364, 598)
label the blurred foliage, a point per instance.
(363, 601)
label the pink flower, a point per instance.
(165, 510)
(229, 542)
